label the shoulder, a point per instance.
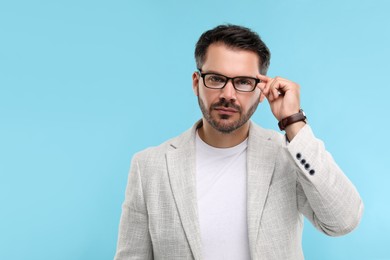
(156, 153)
(273, 137)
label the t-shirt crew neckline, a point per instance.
(222, 151)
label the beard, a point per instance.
(221, 123)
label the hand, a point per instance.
(282, 95)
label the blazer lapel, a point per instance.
(181, 171)
(261, 156)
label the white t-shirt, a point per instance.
(221, 191)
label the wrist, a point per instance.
(297, 117)
(292, 124)
(293, 129)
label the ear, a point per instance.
(195, 83)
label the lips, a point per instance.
(226, 110)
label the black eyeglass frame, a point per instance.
(203, 75)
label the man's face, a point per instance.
(227, 109)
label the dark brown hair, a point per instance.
(233, 36)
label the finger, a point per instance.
(285, 86)
(282, 84)
(262, 97)
(268, 79)
(273, 89)
(272, 95)
(261, 84)
(261, 87)
(269, 97)
(266, 90)
(275, 92)
(273, 82)
(276, 87)
(280, 79)
(263, 78)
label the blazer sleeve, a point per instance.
(324, 194)
(134, 240)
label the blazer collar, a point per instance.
(181, 163)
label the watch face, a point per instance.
(303, 112)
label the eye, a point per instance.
(244, 81)
(215, 78)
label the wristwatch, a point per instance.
(300, 116)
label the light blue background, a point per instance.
(86, 84)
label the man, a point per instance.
(228, 189)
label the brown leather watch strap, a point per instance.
(300, 116)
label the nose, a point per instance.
(228, 92)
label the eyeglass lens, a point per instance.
(219, 81)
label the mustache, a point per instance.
(226, 103)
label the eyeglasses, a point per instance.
(218, 81)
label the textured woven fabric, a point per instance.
(284, 182)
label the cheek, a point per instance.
(250, 101)
(208, 98)
(257, 96)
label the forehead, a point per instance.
(230, 61)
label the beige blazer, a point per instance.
(284, 182)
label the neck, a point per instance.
(217, 139)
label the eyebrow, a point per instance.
(216, 72)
